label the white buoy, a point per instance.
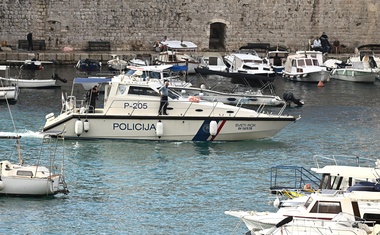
(213, 128)
(78, 128)
(86, 125)
(1, 185)
(159, 129)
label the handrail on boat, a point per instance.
(301, 176)
(337, 160)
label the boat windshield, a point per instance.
(173, 95)
(308, 202)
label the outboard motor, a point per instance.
(56, 77)
(289, 98)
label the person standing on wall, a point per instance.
(29, 37)
(164, 93)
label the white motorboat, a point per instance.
(213, 61)
(179, 53)
(130, 111)
(29, 83)
(366, 50)
(332, 172)
(137, 62)
(358, 71)
(247, 67)
(305, 68)
(342, 224)
(116, 63)
(158, 74)
(248, 63)
(248, 98)
(318, 207)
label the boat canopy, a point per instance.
(180, 45)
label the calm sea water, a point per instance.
(149, 187)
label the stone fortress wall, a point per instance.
(135, 25)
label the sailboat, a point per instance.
(19, 179)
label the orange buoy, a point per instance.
(320, 84)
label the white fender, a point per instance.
(159, 129)
(50, 115)
(82, 110)
(78, 128)
(1, 185)
(213, 128)
(86, 125)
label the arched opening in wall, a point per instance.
(217, 37)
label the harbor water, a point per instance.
(154, 187)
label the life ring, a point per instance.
(194, 99)
(307, 187)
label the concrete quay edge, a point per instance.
(59, 57)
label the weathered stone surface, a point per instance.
(131, 25)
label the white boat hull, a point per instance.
(354, 75)
(26, 83)
(9, 93)
(28, 186)
(191, 128)
(314, 77)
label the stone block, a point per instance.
(12, 56)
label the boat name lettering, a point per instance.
(134, 126)
(244, 127)
(136, 105)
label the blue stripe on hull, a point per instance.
(204, 131)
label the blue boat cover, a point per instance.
(91, 80)
(178, 68)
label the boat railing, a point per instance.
(292, 178)
(343, 160)
(71, 104)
